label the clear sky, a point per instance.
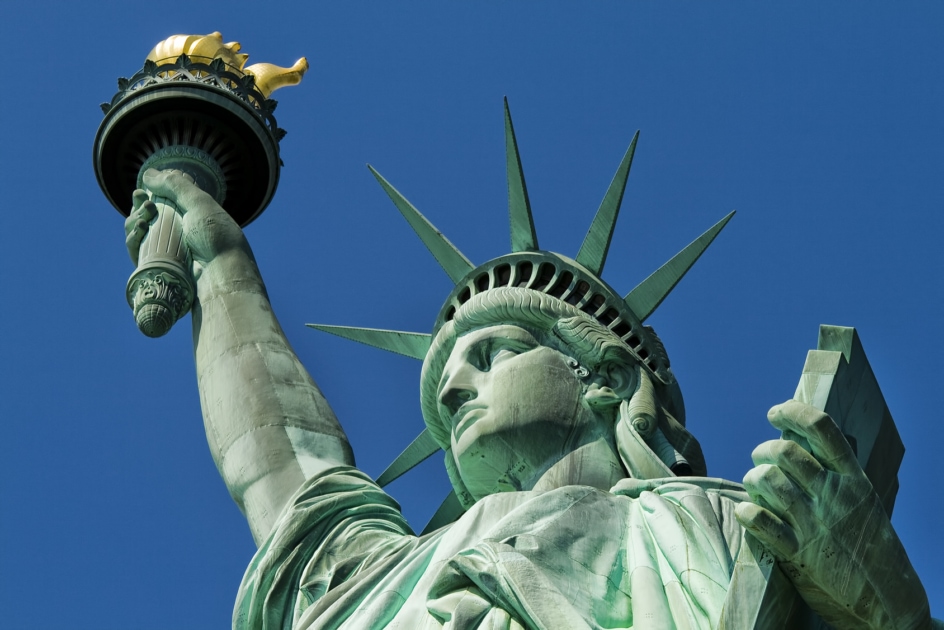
(821, 123)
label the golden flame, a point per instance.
(205, 48)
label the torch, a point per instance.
(193, 107)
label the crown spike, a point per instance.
(648, 295)
(416, 453)
(446, 254)
(413, 345)
(596, 244)
(523, 236)
(448, 511)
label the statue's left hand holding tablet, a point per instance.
(816, 510)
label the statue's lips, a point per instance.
(465, 418)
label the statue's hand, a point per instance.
(137, 223)
(208, 230)
(816, 511)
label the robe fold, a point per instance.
(652, 554)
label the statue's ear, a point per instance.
(600, 397)
(617, 382)
(621, 376)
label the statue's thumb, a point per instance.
(156, 182)
(165, 183)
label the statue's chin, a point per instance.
(493, 462)
(496, 456)
(508, 459)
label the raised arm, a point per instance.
(268, 425)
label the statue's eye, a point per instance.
(495, 351)
(499, 354)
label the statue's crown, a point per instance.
(574, 281)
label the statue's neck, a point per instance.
(594, 464)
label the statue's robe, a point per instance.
(647, 554)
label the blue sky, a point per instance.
(821, 123)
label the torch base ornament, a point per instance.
(159, 296)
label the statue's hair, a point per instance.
(556, 324)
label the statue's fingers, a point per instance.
(144, 211)
(130, 221)
(771, 531)
(827, 443)
(138, 197)
(147, 211)
(770, 487)
(799, 465)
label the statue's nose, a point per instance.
(459, 388)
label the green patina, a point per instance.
(579, 499)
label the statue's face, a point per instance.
(515, 408)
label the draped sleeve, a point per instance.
(337, 526)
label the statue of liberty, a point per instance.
(580, 498)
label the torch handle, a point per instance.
(161, 289)
(164, 238)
